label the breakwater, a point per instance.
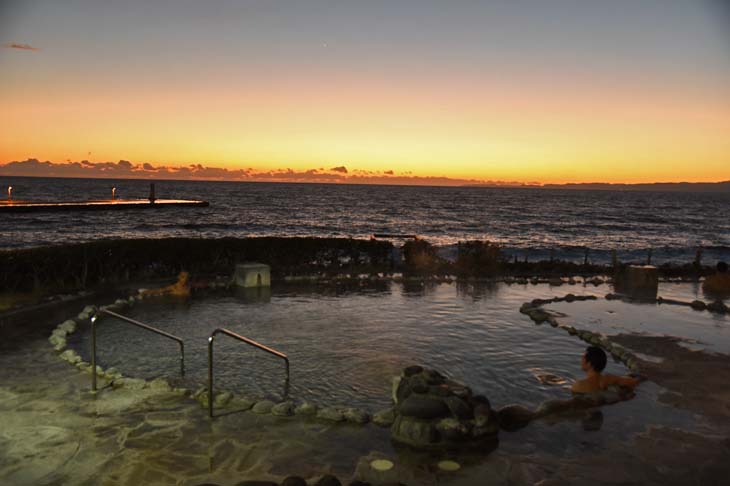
(62, 268)
(106, 205)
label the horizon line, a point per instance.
(124, 169)
(497, 185)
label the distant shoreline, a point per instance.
(706, 187)
(721, 187)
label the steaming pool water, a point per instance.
(346, 345)
(344, 348)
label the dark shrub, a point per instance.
(77, 266)
(478, 259)
(420, 258)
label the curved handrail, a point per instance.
(135, 323)
(246, 340)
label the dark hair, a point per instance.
(721, 267)
(596, 357)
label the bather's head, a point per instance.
(594, 359)
(183, 277)
(721, 267)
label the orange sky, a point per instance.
(561, 123)
(501, 133)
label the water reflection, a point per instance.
(253, 295)
(592, 420)
(335, 288)
(476, 290)
(418, 288)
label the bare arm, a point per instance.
(162, 290)
(620, 380)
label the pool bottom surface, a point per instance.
(345, 347)
(55, 432)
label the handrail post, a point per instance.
(182, 358)
(210, 376)
(135, 323)
(248, 341)
(286, 383)
(93, 353)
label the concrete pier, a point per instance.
(103, 205)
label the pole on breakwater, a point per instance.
(698, 257)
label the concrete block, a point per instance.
(638, 281)
(250, 275)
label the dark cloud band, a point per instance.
(125, 169)
(22, 47)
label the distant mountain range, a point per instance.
(655, 186)
(723, 186)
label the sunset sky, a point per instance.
(545, 91)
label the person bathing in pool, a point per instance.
(181, 288)
(593, 362)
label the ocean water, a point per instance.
(530, 223)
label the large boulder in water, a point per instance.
(514, 417)
(432, 411)
(718, 307)
(423, 407)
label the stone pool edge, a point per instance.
(226, 400)
(534, 310)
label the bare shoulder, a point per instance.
(582, 386)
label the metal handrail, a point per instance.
(242, 339)
(135, 323)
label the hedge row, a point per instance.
(78, 266)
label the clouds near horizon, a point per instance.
(126, 169)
